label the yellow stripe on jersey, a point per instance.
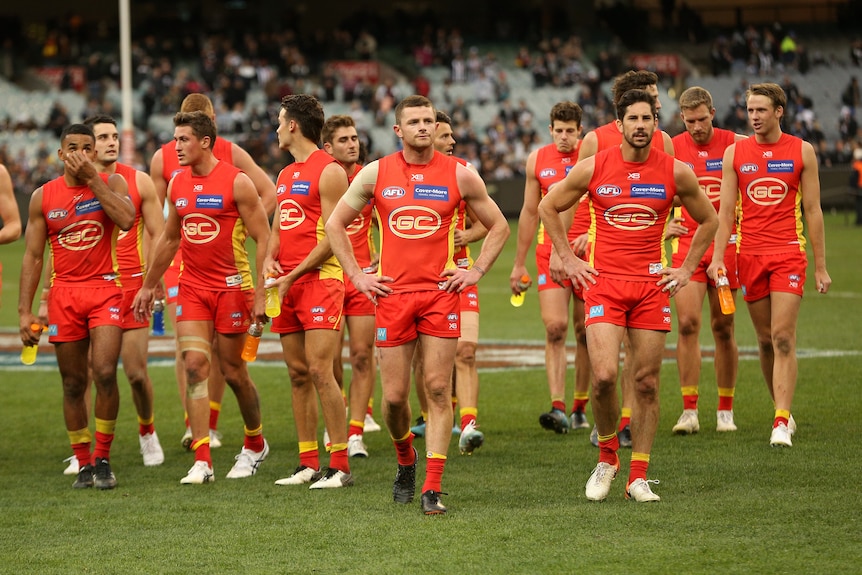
(540, 236)
(591, 233)
(240, 255)
(798, 214)
(115, 263)
(450, 257)
(674, 243)
(331, 268)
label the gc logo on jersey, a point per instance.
(766, 191)
(200, 229)
(632, 217)
(414, 222)
(290, 215)
(711, 186)
(80, 236)
(356, 225)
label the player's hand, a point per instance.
(675, 228)
(822, 281)
(142, 306)
(80, 166)
(579, 244)
(459, 279)
(556, 268)
(673, 279)
(372, 285)
(29, 336)
(517, 273)
(582, 274)
(714, 266)
(460, 238)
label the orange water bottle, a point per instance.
(725, 296)
(517, 299)
(28, 354)
(252, 341)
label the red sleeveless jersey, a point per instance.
(222, 150)
(130, 244)
(551, 167)
(81, 236)
(300, 217)
(417, 207)
(213, 233)
(770, 212)
(706, 162)
(629, 205)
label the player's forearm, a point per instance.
(31, 269)
(315, 258)
(554, 228)
(700, 241)
(342, 248)
(527, 226)
(817, 237)
(164, 251)
(492, 246)
(117, 207)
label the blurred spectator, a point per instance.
(850, 97)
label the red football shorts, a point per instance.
(355, 302)
(402, 317)
(760, 275)
(315, 304)
(73, 311)
(130, 290)
(470, 299)
(638, 305)
(230, 311)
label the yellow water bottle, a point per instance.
(517, 299)
(28, 354)
(273, 300)
(252, 341)
(725, 296)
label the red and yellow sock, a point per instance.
(145, 426)
(80, 441)
(355, 427)
(308, 454)
(689, 397)
(215, 411)
(201, 447)
(104, 438)
(781, 416)
(725, 398)
(558, 403)
(370, 410)
(468, 415)
(404, 449)
(338, 457)
(608, 447)
(580, 401)
(435, 463)
(254, 438)
(639, 466)
(625, 418)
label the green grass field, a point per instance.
(730, 503)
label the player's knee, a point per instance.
(298, 375)
(722, 330)
(783, 343)
(466, 354)
(689, 325)
(555, 331)
(361, 361)
(105, 374)
(646, 387)
(604, 380)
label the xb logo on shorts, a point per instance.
(80, 236)
(414, 222)
(290, 215)
(631, 217)
(766, 191)
(200, 229)
(711, 186)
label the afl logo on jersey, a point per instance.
(57, 214)
(632, 217)
(181, 203)
(175, 172)
(766, 191)
(414, 222)
(81, 236)
(200, 229)
(548, 173)
(281, 189)
(356, 225)
(608, 191)
(393, 193)
(748, 168)
(711, 186)
(290, 215)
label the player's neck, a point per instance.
(418, 155)
(109, 168)
(205, 165)
(302, 149)
(769, 137)
(634, 155)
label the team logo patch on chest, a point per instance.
(81, 236)
(414, 222)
